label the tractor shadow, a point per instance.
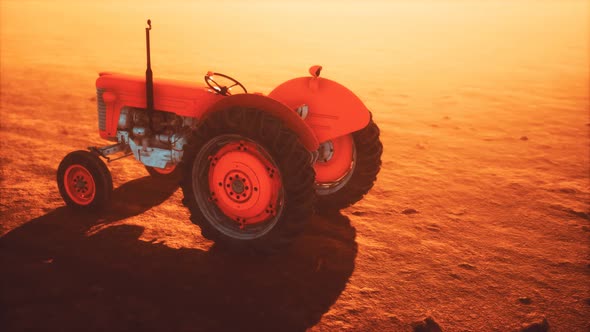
(59, 276)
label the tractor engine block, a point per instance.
(161, 144)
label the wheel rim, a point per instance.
(238, 187)
(166, 170)
(79, 184)
(335, 164)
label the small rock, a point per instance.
(540, 325)
(525, 300)
(580, 214)
(393, 318)
(368, 290)
(455, 276)
(427, 325)
(458, 212)
(409, 211)
(466, 266)
(433, 227)
(359, 213)
(354, 310)
(567, 190)
(406, 271)
(524, 138)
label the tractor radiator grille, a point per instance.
(102, 110)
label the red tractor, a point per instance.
(252, 167)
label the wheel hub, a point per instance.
(335, 160)
(79, 184)
(238, 185)
(325, 152)
(244, 185)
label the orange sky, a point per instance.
(423, 48)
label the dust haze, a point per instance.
(479, 220)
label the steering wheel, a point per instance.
(223, 90)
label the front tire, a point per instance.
(247, 180)
(84, 181)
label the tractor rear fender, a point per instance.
(289, 117)
(333, 110)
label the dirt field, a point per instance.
(480, 218)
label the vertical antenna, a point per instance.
(149, 82)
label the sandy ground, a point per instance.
(480, 218)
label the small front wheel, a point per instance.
(84, 181)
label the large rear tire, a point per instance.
(365, 164)
(84, 181)
(247, 180)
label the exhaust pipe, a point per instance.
(149, 80)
